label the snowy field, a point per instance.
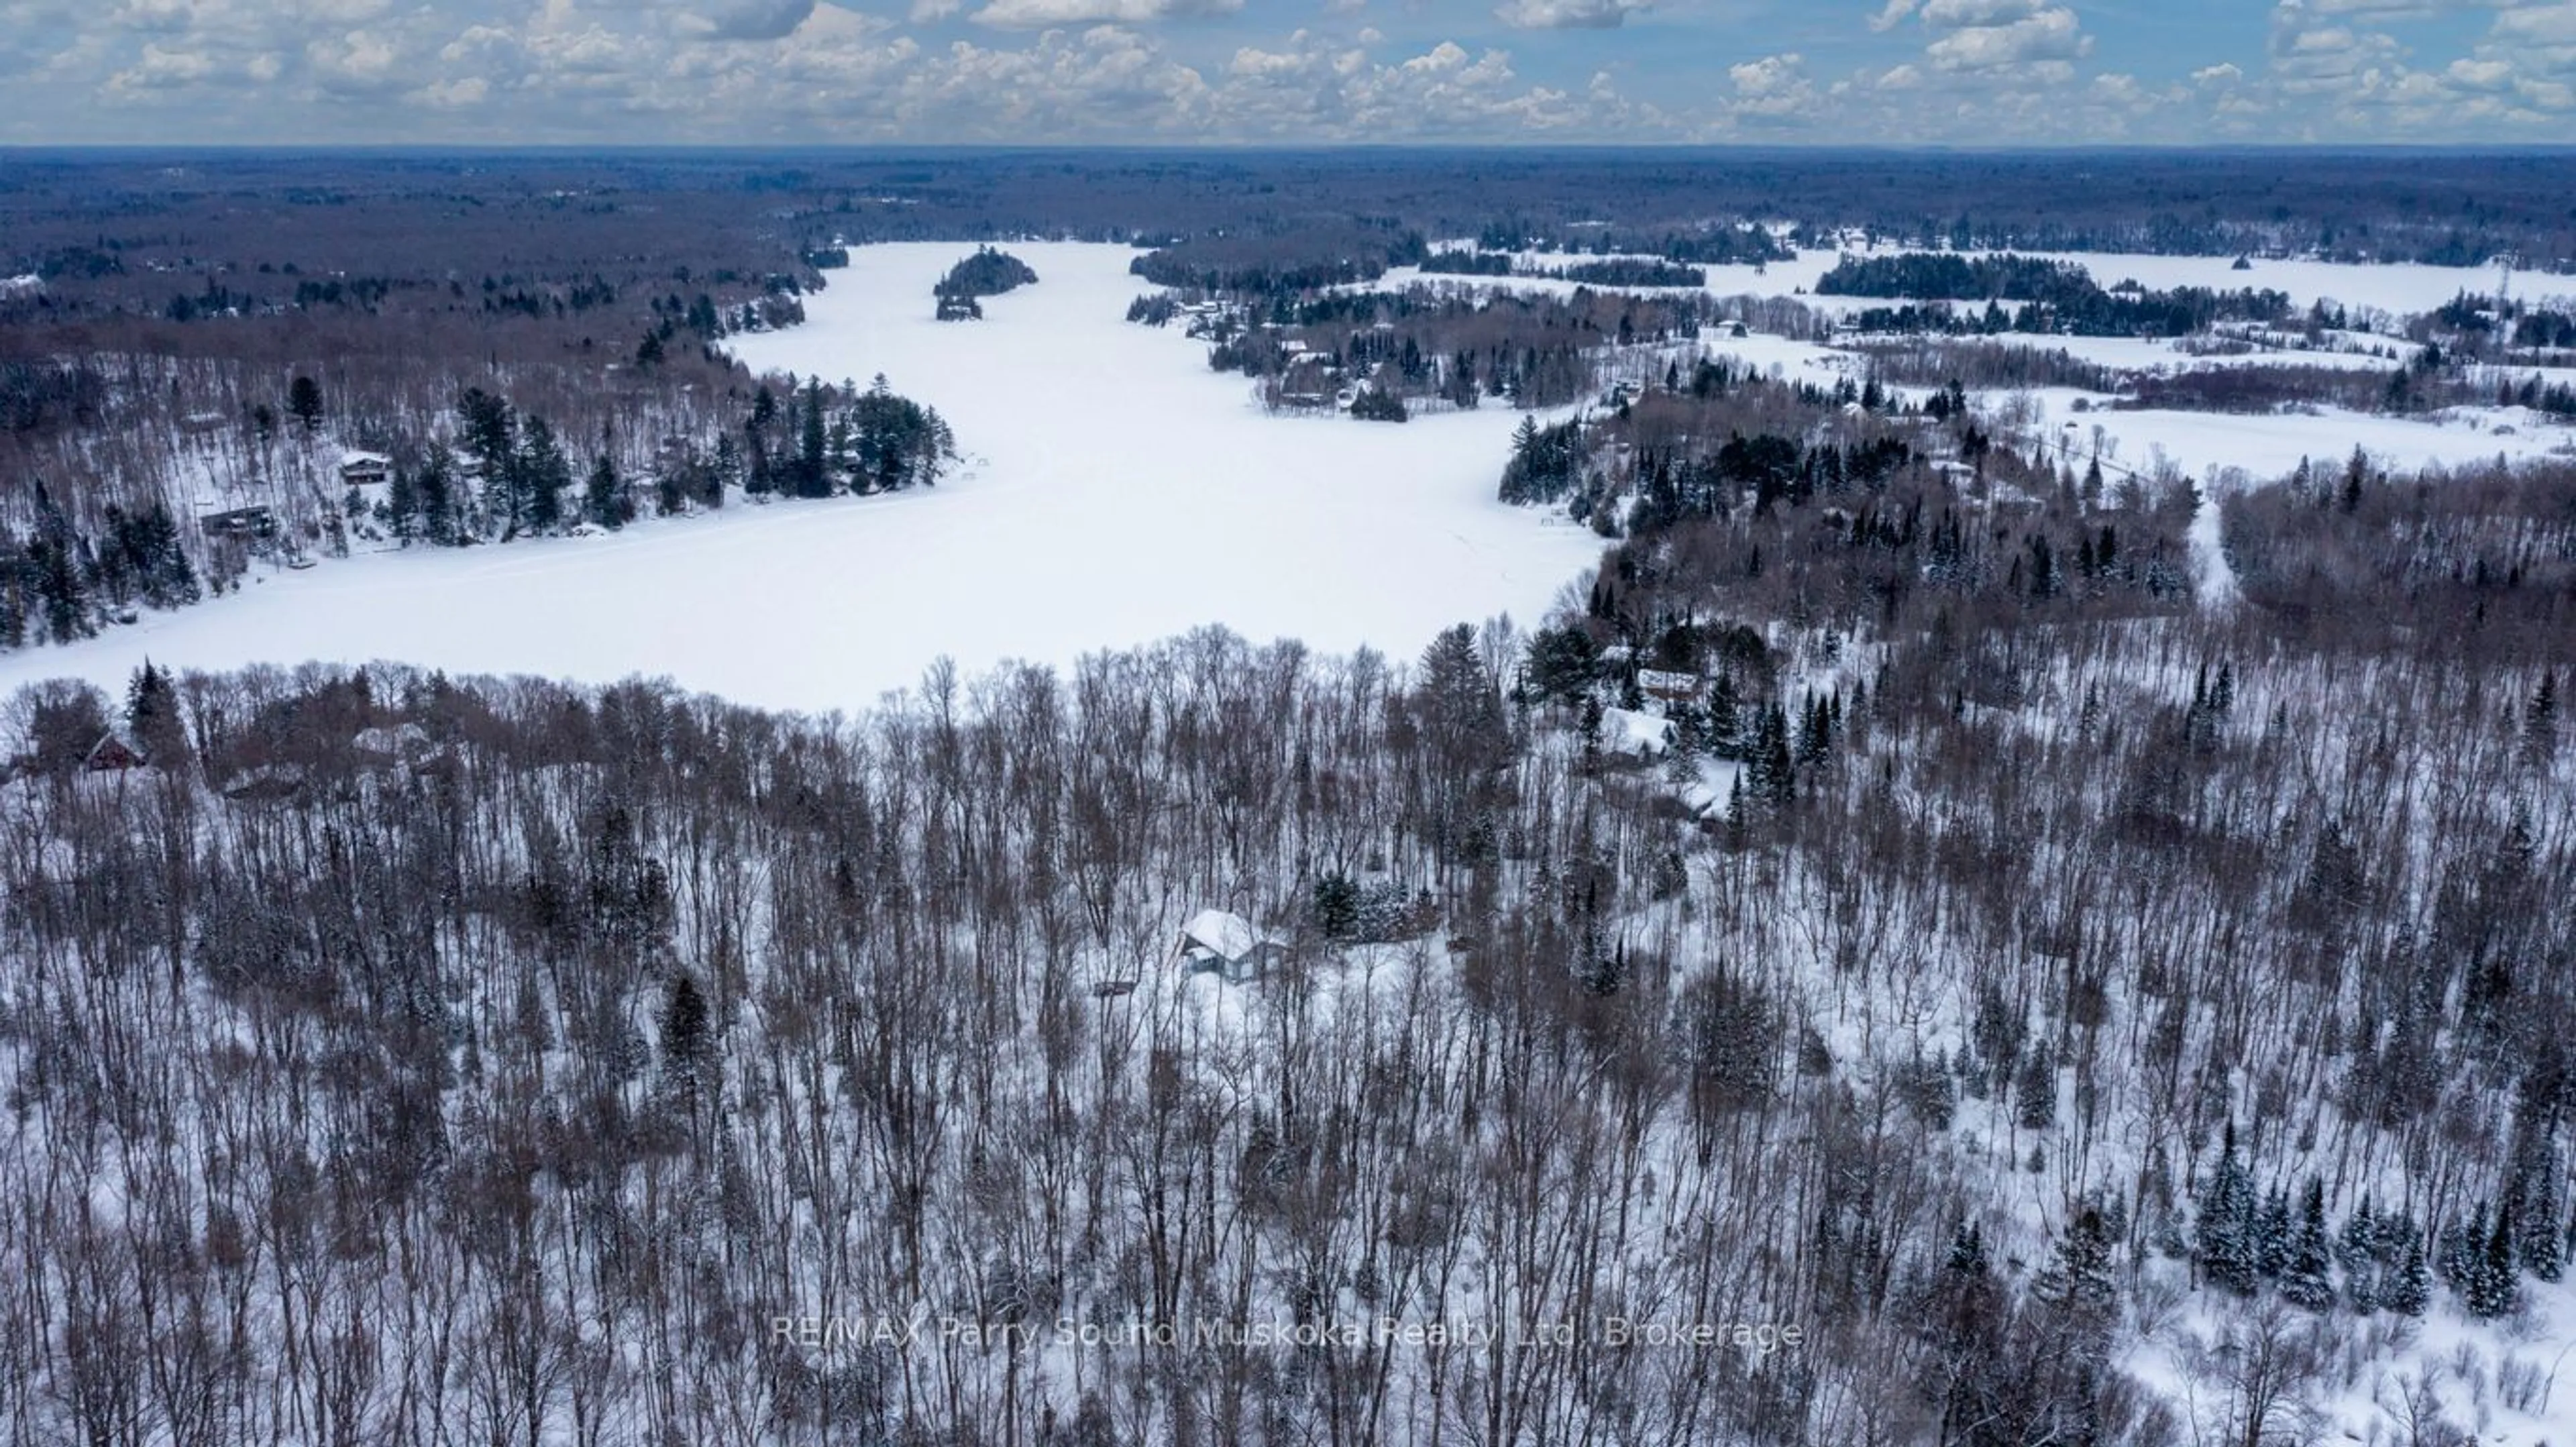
(1117, 492)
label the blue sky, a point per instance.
(1834, 72)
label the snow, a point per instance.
(2267, 445)
(1626, 731)
(1230, 935)
(1119, 493)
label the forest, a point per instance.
(395, 1056)
(1940, 937)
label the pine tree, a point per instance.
(2305, 1278)
(544, 473)
(2035, 1089)
(2410, 1291)
(813, 463)
(2225, 1223)
(604, 497)
(304, 401)
(152, 716)
(684, 1035)
(2457, 1260)
(2494, 1287)
(2272, 1235)
(2358, 1251)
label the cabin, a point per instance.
(1226, 945)
(366, 469)
(114, 754)
(1669, 686)
(954, 307)
(238, 522)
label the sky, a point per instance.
(1305, 72)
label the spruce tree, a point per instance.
(2494, 1285)
(2225, 1223)
(152, 716)
(2035, 1090)
(2305, 1278)
(2410, 1290)
(304, 400)
(2357, 1249)
(544, 473)
(604, 496)
(2272, 1235)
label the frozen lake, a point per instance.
(1118, 492)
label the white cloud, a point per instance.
(2047, 36)
(1951, 14)
(1046, 14)
(750, 19)
(1568, 14)
(1893, 16)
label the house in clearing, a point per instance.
(1228, 946)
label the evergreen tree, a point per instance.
(2357, 1249)
(152, 716)
(2035, 1090)
(304, 402)
(813, 461)
(544, 473)
(684, 1035)
(604, 498)
(2272, 1235)
(2494, 1285)
(2305, 1277)
(2225, 1223)
(436, 487)
(2410, 1289)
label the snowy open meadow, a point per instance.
(1116, 492)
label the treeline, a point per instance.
(2056, 297)
(59, 583)
(1619, 271)
(481, 468)
(1272, 263)
(1704, 245)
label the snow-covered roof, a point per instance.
(355, 458)
(1624, 731)
(1655, 679)
(1228, 935)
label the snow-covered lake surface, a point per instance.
(1118, 492)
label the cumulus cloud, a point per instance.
(750, 19)
(1047, 14)
(1568, 14)
(2051, 35)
